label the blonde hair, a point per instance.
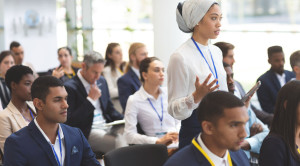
(132, 50)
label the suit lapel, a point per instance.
(135, 78)
(80, 86)
(275, 80)
(41, 141)
(199, 156)
(67, 146)
(17, 115)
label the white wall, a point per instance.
(40, 43)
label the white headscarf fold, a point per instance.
(190, 12)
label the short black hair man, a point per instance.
(223, 117)
(273, 79)
(46, 141)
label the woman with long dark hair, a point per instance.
(281, 146)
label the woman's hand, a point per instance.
(203, 89)
(168, 138)
(58, 72)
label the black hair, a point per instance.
(14, 44)
(40, 87)
(224, 47)
(274, 49)
(145, 63)
(4, 54)
(67, 48)
(15, 74)
(213, 104)
(286, 115)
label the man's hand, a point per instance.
(168, 138)
(95, 92)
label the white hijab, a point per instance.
(190, 12)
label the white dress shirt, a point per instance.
(281, 79)
(184, 65)
(218, 161)
(112, 78)
(56, 145)
(98, 121)
(139, 110)
(137, 72)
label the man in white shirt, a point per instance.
(46, 141)
(90, 104)
(273, 79)
(223, 117)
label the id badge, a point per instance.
(161, 134)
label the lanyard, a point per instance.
(162, 108)
(298, 150)
(206, 156)
(212, 59)
(57, 159)
(70, 75)
(30, 114)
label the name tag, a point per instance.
(161, 134)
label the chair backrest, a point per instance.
(137, 155)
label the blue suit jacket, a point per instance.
(267, 93)
(81, 110)
(128, 84)
(275, 152)
(29, 147)
(191, 156)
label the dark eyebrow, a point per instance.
(215, 14)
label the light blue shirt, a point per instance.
(256, 140)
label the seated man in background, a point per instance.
(130, 82)
(18, 54)
(295, 64)
(90, 105)
(256, 130)
(273, 79)
(46, 141)
(20, 111)
(223, 117)
(228, 57)
(148, 108)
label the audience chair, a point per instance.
(137, 155)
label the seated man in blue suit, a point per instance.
(273, 79)
(46, 141)
(130, 82)
(90, 105)
(223, 117)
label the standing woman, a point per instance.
(281, 146)
(65, 71)
(196, 67)
(114, 68)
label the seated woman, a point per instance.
(6, 62)
(20, 110)
(148, 107)
(281, 146)
(113, 70)
(65, 70)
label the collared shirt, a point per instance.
(136, 71)
(281, 79)
(98, 121)
(184, 65)
(139, 110)
(56, 145)
(218, 161)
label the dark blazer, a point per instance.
(267, 93)
(81, 110)
(275, 152)
(265, 117)
(191, 156)
(128, 84)
(29, 147)
(64, 78)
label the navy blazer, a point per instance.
(191, 156)
(275, 152)
(267, 93)
(81, 110)
(29, 147)
(128, 84)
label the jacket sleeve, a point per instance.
(13, 154)
(124, 92)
